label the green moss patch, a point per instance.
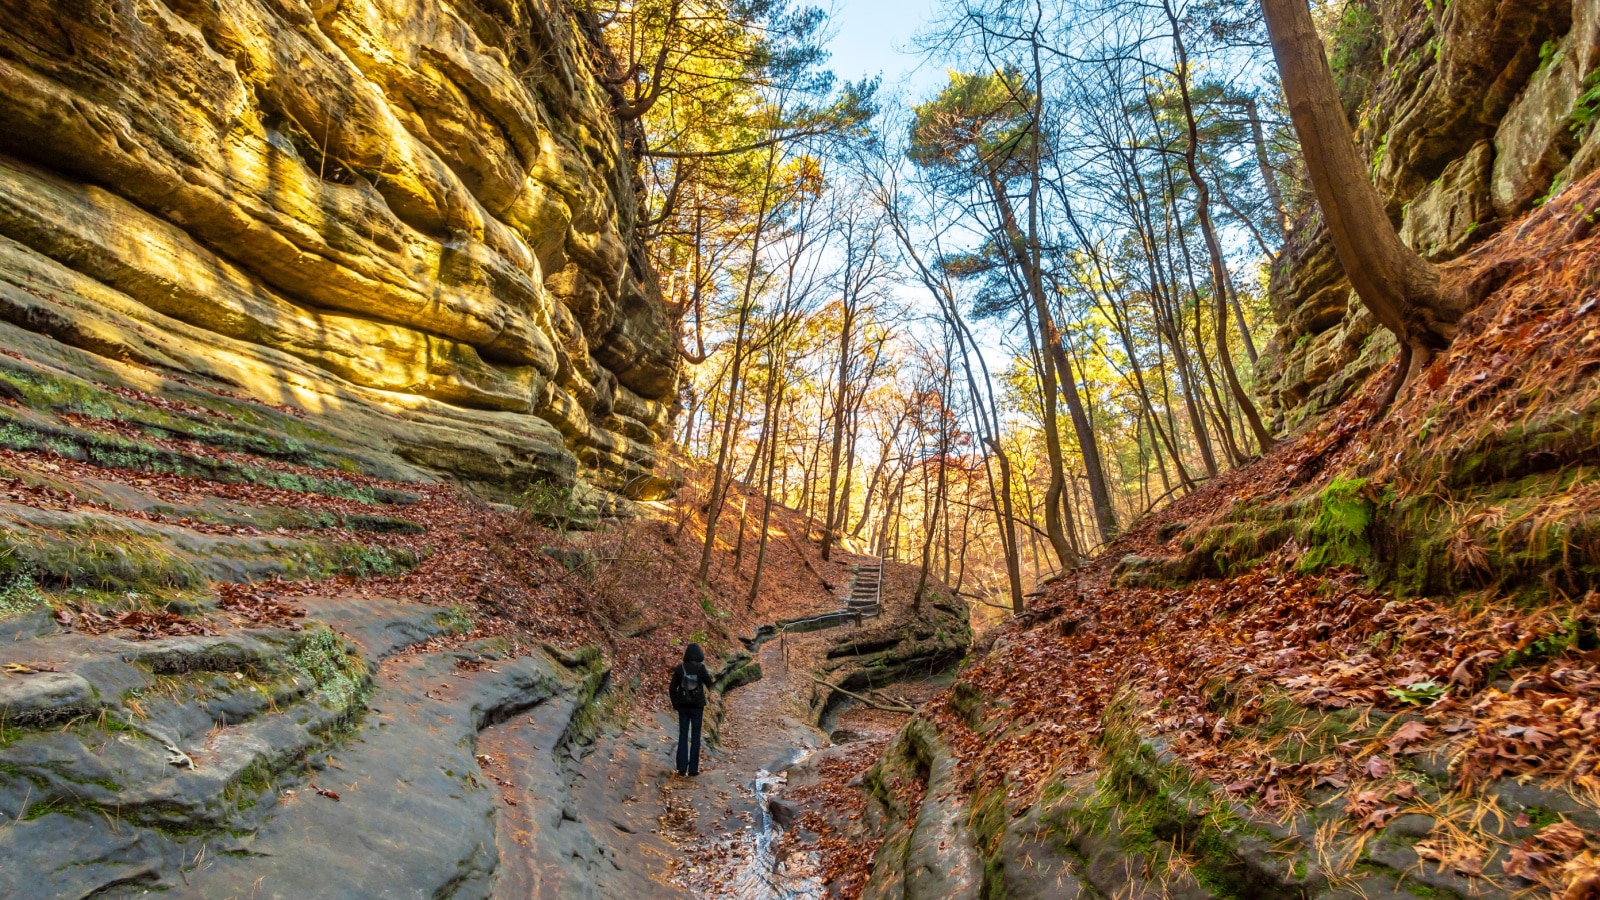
(54, 394)
(19, 594)
(93, 556)
(1340, 534)
(334, 664)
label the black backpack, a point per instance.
(688, 690)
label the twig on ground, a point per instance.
(886, 707)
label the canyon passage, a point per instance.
(1105, 449)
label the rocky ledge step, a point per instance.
(413, 815)
(1144, 827)
(127, 767)
(928, 848)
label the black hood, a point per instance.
(694, 654)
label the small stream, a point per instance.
(758, 862)
(766, 866)
(796, 875)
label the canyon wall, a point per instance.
(1473, 112)
(411, 219)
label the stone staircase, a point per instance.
(866, 593)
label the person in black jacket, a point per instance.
(690, 681)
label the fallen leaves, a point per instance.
(139, 624)
(1371, 809)
(1558, 856)
(1464, 674)
(1406, 735)
(1201, 658)
(834, 803)
(1377, 767)
(1581, 877)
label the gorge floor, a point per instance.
(244, 673)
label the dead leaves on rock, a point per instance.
(136, 624)
(1406, 736)
(1322, 643)
(1560, 857)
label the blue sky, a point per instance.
(874, 36)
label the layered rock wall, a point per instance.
(1473, 112)
(413, 217)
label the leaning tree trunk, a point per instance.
(1402, 291)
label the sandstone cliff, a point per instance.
(1473, 113)
(412, 219)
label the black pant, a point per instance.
(689, 740)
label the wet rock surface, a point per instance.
(413, 815)
(929, 849)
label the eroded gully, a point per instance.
(609, 819)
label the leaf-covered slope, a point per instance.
(1367, 661)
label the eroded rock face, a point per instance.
(1474, 112)
(426, 206)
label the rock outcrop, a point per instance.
(412, 220)
(279, 762)
(905, 642)
(1473, 113)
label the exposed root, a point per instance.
(1402, 374)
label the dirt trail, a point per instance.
(720, 818)
(610, 819)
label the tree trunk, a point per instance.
(1169, 313)
(1268, 177)
(843, 519)
(775, 408)
(1050, 337)
(1054, 494)
(723, 464)
(1244, 328)
(846, 326)
(878, 471)
(1008, 529)
(1400, 289)
(932, 525)
(1221, 285)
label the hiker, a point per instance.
(688, 692)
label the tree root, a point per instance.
(1401, 375)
